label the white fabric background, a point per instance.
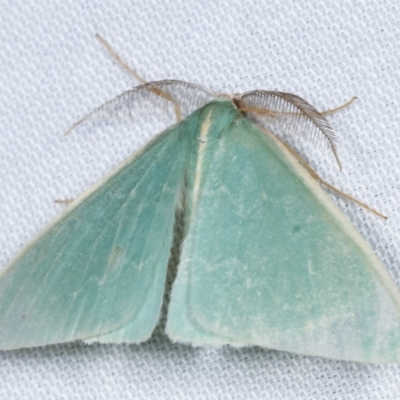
(53, 71)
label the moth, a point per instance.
(266, 257)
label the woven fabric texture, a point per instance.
(53, 71)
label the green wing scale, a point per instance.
(267, 258)
(102, 264)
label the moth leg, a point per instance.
(312, 172)
(118, 59)
(64, 202)
(273, 113)
(131, 71)
(339, 108)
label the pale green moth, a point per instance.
(266, 259)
